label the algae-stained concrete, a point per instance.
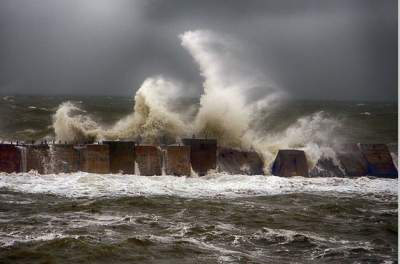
(122, 156)
(352, 160)
(203, 154)
(95, 158)
(235, 161)
(10, 158)
(38, 158)
(64, 158)
(149, 160)
(290, 162)
(177, 161)
(380, 162)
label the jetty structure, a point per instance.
(192, 156)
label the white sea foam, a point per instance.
(217, 185)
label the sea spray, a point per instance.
(226, 106)
(236, 98)
(24, 161)
(72, 124)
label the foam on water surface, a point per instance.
(82, 184)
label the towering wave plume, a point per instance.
(226, 106)
(236, 98)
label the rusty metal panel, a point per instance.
(380, 162)
(10, 158)
(203, 154)
(178, 160)
(149, 160)
(95, 158)
(236, 161)
(290, 162)
(122, 156)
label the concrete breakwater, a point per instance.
(193, 156)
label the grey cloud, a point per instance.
(341, 49)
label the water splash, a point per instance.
(235, 99)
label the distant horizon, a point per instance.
(2, 94)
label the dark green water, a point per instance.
(88, 218)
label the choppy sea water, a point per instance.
(219, 218)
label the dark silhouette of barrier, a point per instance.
(235, 161)
(149, 160)
(38, 158)
(289, 163)
(64, 158)
(10, 158)
(122, 156)
(352, 160)
(203, 154)
(95, 158)
(380, 162)
(177, 160)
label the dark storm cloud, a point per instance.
(343, 49)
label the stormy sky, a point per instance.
(336, 49)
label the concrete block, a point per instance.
(149, 160)
(289, 163)
(235, 161)
(352, 160)
(203, 154)
(38, 158)
(64, 158)
(177, 161)
(326, 167)
(122, 156)
(95, 158)
(379, 160)
(10, 158)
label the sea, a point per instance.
(218, 218)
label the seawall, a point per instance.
(194, 156)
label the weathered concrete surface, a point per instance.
(149, 160)
(64, 158)
(10, 158)
(122, 156)
(393, 148)
(95, 158)
(38, 158)
(177, 161)
(326, 167)
(352, 160)
(289, 163)
(203, 154)
(235, 161)
(379, 160)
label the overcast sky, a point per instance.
(336, 49)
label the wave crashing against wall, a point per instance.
(236, 98)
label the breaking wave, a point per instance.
(236, 98)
